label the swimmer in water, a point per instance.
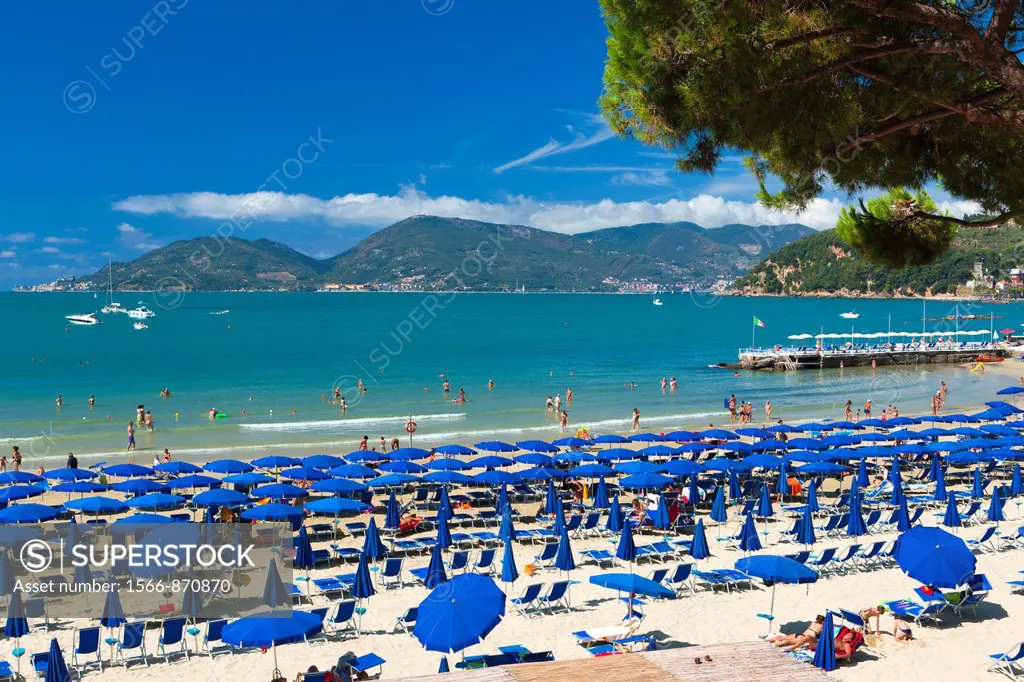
(462, 395)
(446, 387)
(92, 402)
(344, 406)
(212, 414)
(568, 395)
(490, 383)
(60, 401)
(636, 419)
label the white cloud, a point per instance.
(654, 178)
(8, 254)
(552, 146)
(379, 210)
(125, 228)
(18, 237)
(63, 240)
(49, 249)
(135, 238)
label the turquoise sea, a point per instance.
(286, 351)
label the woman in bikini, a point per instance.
(806, 638)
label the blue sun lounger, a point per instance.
(1008, 662)
(917, 613)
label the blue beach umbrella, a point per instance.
(699, 544)
(611, 439)
(626, 549)
(693, 491)
(509, 572)
(782, 482)
(444, 535)
(97, 505)
(940, 487)
(362, 456)
(537, 459)
(773, 570)
(855, 526)
(825, 651)
(338, 486)
(136, 486)
(274, 512)
(572, 442)
(251, 479)
(615, 516)
(805, 534)
(279, 491)
(448, 464)
(127, 470)
(951, 519)
(659, 516)
(303, 552)
(392, 480)
(645, 481)
(268, 629)
(373, 547)
(274, 594)
(460, 615)
(56, 668)
(507, 530)
(601, 495)
(228, 466)
(90, 487)
(812, 497)
(537, 446)
(501, 500)
(550, 498)
(934, 557)
(491, 462)
(16, 625)
(682, 467)
(564, 560)
(495, 446)
(220, 497)
(403, 467)
(559, 517)
(443, 666)
(995, 508)
(935, 468)
(496, 477)
(444, 505)
(113, 613)
(976, 486)
(435, 574)
(352, 471)
(322, 462)
(748, 538)
(362, 586)
(194, 481)
(8, 477)
(392, 515)
(335, 506)
(157, 501)
(275, 462)
(304, 473)
(177, 468)
(902, 515)
(862, 474)
(69, 475)
(734, 486)
(1010, 390)
(28, 513)
(1016, 485)
(897, 493)
(718, 511)
(638, 467)
(592, 470)
(764, 502)
(408, 453)
(631, 584)
(449, 478)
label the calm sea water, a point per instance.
(275, 353)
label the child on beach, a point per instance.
(901, 631)
(636, 419)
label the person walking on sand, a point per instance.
(867, 408)
(3, 463)
(768, 410)
(636, 419)
(849, 410)
(131, 437)
(16, 458)
(364, 444)
(732, 408)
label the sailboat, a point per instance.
(850, 315)
(112, 306)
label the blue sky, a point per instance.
(128, 127)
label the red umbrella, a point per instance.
(1007, 331)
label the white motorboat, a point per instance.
(140, 312)
(140, 325)
(85, 319)
(113, 307)
(657, 301)
(850, 315)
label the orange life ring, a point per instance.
(410, 426)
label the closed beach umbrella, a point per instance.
(951, 519)
(392, 515)
(902, 516)
(601, 495)
(812, 497)
(460, 614)
(56, 668)
(507, 530)
(551, 498)
(373, 548)
(444, 505)
(693, 491)
(564, 560)
(894, 470)
(940, 487)
(559, 517)
(362, 586)
(976, 486)
(1016, 485)
(274, 594)
(699, 544)
(764, 502)
(615, 516)
(502, 499)
(855, 526)
(995, 508)
(444, 535)
(935, 470)
(748, 539)
(659, 515)
(773, 570)
(897, 493)
(782, 483)
(626, 549)
(7, 580)
(435, 569)
(805, 535)
(509, 573)
(113, 613)
(934, 557)
(303, 552)
(16, 625)
(825, 651)
(735, 493)
(443, 667)
(718, 511)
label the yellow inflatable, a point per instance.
(583, 432)
(980, 367)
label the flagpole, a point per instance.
(753, 330)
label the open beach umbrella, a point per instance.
(246, 480)
(825, 651)
(435, 574)
(97, 505)
(228, 466)
(951, 519)
(135, 486)
(460, 614)
(699, 544)
(934, 557)
(127, 470)
(940, 487)
(601, 495)
(718, 510)
(338, 486)
(448, 464)
(748, 539)
(495, 446)
(195, 481)
(615, 516)
(495, 477)
(373, 548)
(335, 506)
(69, 475)
(268, 629)
(444, 535)
(626, 549)
(537, 459)
(403, 467)
(305, 473)
(92, 487)
(177, 468)
(645, 482)
(352, 471)
(537, 446)
(995, 508)
(408, 454)
(274, 512)
(279, 491)
(976, 486)
(805, 534)
(509, 573)
(491, 462)
(1010, 390)
(633, 585)
(392, 515)
(28, 513)
(449, 478)
(682, 467)
(392, 480)
(157, 502)
(322, 462)
(276, 462)
(773, 570)
(902, 516)
(9, 477)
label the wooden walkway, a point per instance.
(737, 662)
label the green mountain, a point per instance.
(822, 263)
(427, 252)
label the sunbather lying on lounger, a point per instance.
(806, 638)
(847, 643)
